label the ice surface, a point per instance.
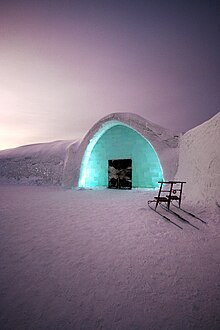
(165, 143)
(83, 259)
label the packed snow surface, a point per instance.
(101, 259)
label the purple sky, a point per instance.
(65, 64)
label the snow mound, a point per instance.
(34, 164)
(199, 163)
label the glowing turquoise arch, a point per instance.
(116, 140)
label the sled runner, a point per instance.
(166, 196)
(173, 191)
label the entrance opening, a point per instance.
(120, 174)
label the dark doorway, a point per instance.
(120, 174)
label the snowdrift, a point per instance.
(34, 164)
(199, 163)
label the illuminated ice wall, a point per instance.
(120, 142)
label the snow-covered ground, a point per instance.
(101, 259)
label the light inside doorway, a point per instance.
(120, 174)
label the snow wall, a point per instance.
(163, 141)
(199, 163)
(34, 164)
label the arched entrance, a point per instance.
(117, 142)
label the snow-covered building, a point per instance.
(143, 153)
